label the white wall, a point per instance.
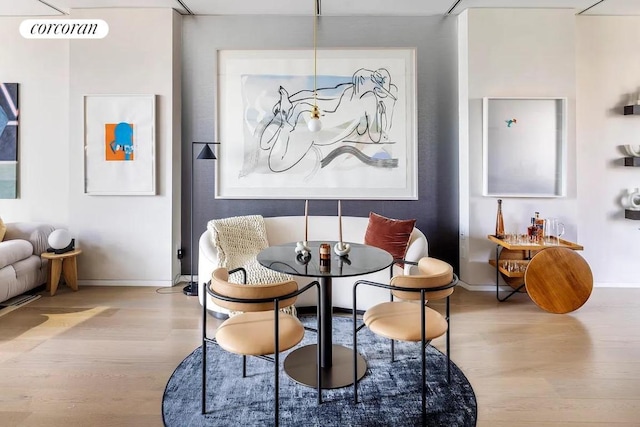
(594, 62)
(127, 240)
(41, 67)
(608, 74)
(510, 53)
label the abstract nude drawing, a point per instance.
(366, 148)
(357, 115)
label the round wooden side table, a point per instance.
(62, 264)
(558, 280)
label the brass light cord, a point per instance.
(315, 56)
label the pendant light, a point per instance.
(314, 123)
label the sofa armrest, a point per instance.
(207, 262)
(36, 233)
(418, 248)
(206, 248)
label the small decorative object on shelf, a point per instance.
(631, 200)
(631, 151)
(500, 222)
(631, 203)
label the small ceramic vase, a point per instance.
(631, 200)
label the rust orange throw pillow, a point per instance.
(389, 234)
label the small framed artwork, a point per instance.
(524, 147)
(9, 140)
(119, 144)
(366, 147)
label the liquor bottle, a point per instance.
(539, 222)
(500, 222)
(532, 231)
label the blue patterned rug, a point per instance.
(389, 394)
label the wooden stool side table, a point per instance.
(62, 264)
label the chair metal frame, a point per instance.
(403, 261)
(424, 342)
(276, 357)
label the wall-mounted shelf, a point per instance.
(631, 109)
(631, 214)
(632, 161)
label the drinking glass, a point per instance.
(553, 231)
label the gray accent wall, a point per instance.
(435, 41)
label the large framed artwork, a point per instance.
(119, 132)
(367, 146)
(524, 147)
(8, 140)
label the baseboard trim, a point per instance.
(129, 283)
(187, 278)
(492, 288)
(617, 285)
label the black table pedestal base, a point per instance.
(300, 367)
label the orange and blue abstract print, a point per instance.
(118, 140)
(8, 140)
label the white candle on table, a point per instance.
(340, 221)
(306, 221)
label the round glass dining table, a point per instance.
(336, 361)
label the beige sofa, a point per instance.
(286, 229)
(21, 268)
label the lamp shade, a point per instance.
(206, 153)
(314, 125)
(59, 239)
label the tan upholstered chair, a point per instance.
(260, 329)
(409, 318)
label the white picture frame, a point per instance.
(524, 147)
(119, 144)
(367, 148)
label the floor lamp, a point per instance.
(192, 287)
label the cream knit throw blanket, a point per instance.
(238, 241)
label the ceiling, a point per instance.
(328, 7)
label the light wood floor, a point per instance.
(102, 357)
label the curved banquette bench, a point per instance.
(286, 229)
